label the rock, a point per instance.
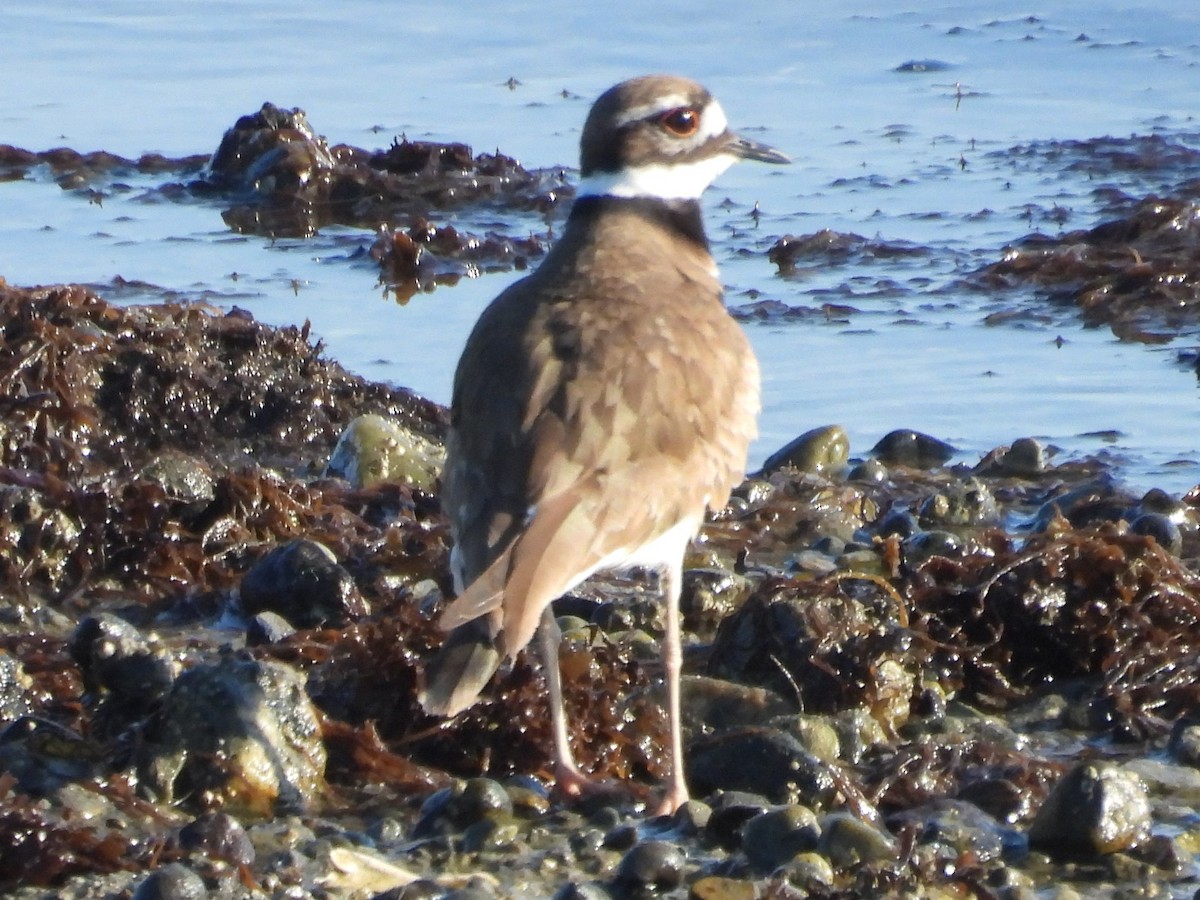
(819, 451)
(116, 658)
(268, 628)
(1024, 458)
(760, 760)
(904, 447)
(969, 502)
(43, 755)
(1096, 808)
(302, 581)
(239, 733)
(962, 828)
(1160, 527)
(14, 688)
(715, 887)
(183, 478)
(729, 812)
(808, 871)
(708, 596)
(174, 881)
(1184, 743)
(462, 805)
(218, 835)
(776, 836)
(651, 865)
(713, 704)
(847, 841)
(374, 449)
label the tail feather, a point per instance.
(463, 665)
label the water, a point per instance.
(903, 156)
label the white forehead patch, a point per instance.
(677, 181)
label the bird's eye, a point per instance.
(681, 122)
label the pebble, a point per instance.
(760, 760)
(14, 688)
(847, 840)
(239, 732)
(905, 447)
(776, 836)
(173, 881)
(654, 865)
(1096, 808)
(115, 657)
(220, 836)
(303, 582)
(729, 812)
(819, 451)
(373, 449)
(716, 887)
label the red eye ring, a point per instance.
(683, 121)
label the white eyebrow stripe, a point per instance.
(712, 120)
(646, 110)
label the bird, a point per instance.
(601, 406)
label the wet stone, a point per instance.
(1024, 458)
(1165, 532)
(220, 836)
(267, 628)
(776, 836)
(183, 479)
(463, 804)
(302, 581)
(869, 471)
(963, 828)
(729, 812)
(820, 451)
(14, 688)
(375, 449)
(708, 595)
(808, 871)
(582, 891)
(43, 755)
(1096, 808)
(115, 657)
(173, 881)
(847, 841)
(713, 705)
(716, 887)
(1184, 743)
(650, 866)
(922, 546)
(904, 447)
(239, 733)
(763, 761)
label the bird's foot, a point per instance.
(675, 796)
(571, 784)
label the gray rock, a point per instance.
(776, 836)
(1096, 808)
(847, 841)
(819, 451)
(653, 865)
(240, 733)
(760, 760)
(302, 581)
(174, 881)
(913, 449)
(374, 449)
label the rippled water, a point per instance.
(914, 153)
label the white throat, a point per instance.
(678, 181)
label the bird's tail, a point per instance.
(463, 665)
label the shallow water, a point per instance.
(913, 156)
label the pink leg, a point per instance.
(569, 780)
(676, 788)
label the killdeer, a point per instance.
(601, 404)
